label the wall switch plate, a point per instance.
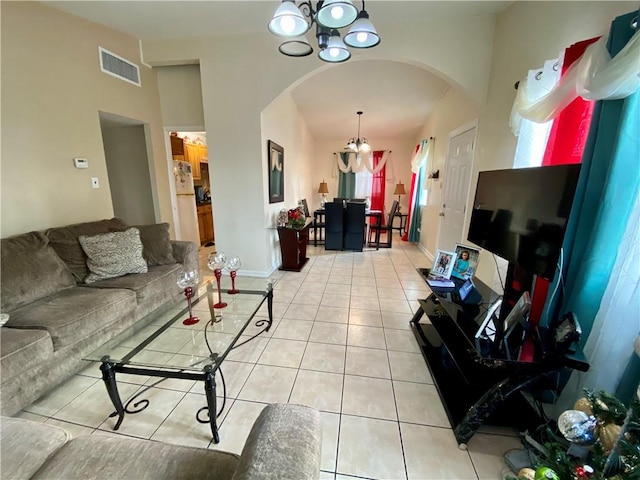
(81, 162)
(94, 182)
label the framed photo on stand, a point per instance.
(466, 262)
(443, 264)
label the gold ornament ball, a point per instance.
(584, 405)
(608, 435)
(526, 474)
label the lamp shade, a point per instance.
(399, 189)
(288, 21)
(362, 33)
(337, 13)
(336, 50)
(296, 47)
(323, 188)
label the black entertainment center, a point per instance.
(481, 366)
(478, 387)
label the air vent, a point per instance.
(115, 65)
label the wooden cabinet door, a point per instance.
(201, 226)
(204, 154)
(208, 225)
(192, 155)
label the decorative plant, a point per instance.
(296, 218)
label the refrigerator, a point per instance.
(186, 202)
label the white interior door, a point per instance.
(456, 187)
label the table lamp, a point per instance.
(399, 191)
(323, 189)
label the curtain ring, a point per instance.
(539, 75)
(556, 66)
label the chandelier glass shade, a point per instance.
(358, 144)
(292, 22)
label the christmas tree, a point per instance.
(598, 439)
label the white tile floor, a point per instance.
(341, 343)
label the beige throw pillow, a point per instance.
(113, 254)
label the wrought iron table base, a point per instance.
(110, 367)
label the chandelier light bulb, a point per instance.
(287, 24)
(337, 12)
(334, 52)
(362, 37)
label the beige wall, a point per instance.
(128, 167)
(180, 96)
(283, 124)
(52, 91)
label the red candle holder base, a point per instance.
(220, 305)
(233, 290)
(190, 321)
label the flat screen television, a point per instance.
(521, 214)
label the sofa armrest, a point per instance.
(27, 445)
(185, 253)
(284, 443)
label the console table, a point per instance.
(293, 246)
(476, 382)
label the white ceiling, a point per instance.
(396, 98)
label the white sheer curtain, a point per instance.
(617, 325)
(532, 136)
(595, 76)
(364, 180)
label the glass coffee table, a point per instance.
(194, 352)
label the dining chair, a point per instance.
(334, 226)
(354, 226)
(378, 229)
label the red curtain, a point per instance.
(378, 184)
(405, 237)
(570, 129)
(565, 145)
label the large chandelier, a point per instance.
(357, 144)
(292, 22)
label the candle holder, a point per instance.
(233, 264)
(217, 262)
(187, 279)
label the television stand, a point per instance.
(475, 387)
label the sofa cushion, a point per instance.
(30, 270)
(21, 348)
(156, 243)
(100, 456)
(75, 313)
(64, 240)
(27, 445)
(113, 254)
(159, 280)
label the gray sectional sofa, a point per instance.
(284, 443)
(56, 318)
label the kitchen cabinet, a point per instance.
(192, 155)
(205, 224)
(177, 148)
(204, 154)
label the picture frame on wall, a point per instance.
(275, 159)
(466, 262)
(443, 264)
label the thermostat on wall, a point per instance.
(81, 162)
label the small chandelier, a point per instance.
(292, 22)
(357, 144)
